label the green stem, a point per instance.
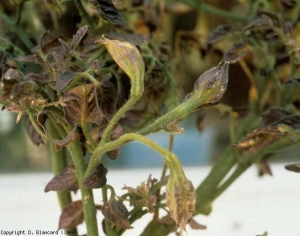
(88, 204)
(215, 11)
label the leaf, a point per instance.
(259, 138)
(135, 39)
(195, 225)
(64, 181)
(71, 216)
(66, 140)
(81, 105)
(259, 22)
(96, 179)
(66, 48)
(218, 34)
(41, 79)
(236, 52)
(35, 59)
(78, 36)
(34, 136)
(278, 116)
(63, 80)
(293, 167)
(116, 213)
(109, 12)
(106, 95)
(129, 59)
(180, 198)
(95, 66)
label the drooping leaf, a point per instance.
(260, 138)
(63, 80)
(64, 142)
(41, 79)
(278, 116)
(236, 52)
(116, 213)
(33, 135)
(78, 36)
(71, 216)
(35, 59)
(293, 167)
(113, 154)
(129, 59)
(109, 12)
(97, 179)
(81, 105)
(195, 225)
(218, 34)
(181, 199)
(64, 181)
(106, 95)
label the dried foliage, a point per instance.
(107, 72)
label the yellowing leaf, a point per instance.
(129, 59)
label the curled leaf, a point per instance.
(116, 213)
(129, 59)
(181, 199)
(260, 138)
(97, 179)
(218, 34)
(34, 136)
(236, 52)
(293, 167)
(109, 12)
(71, 216)
(65, 181)
(278, 116)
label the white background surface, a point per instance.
(250, 206)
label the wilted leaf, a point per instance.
(113, 154)
(116, 213)
(65, 181)
(195, 225)
(97, 179)
(166, 220)
(236, 52)
(278, 116)
(293, 167)
(259, 138)
(31, 132)
(181, 199)
(41, 79)
(129, 59)
(35, 59)
(81, 105)
(71, 216)
(78, 36)
(106, 101)
(63, 80)
(218, 34)
(66, 140)
(259, 22)
(109, 12)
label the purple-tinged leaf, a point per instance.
(107, 10)
(66, 48)
(218, 34)
(195, 225)
(64, 181)
(97, 179)
(236, 52)
(34, 136)
(293, 167)
(78, 36)
(41, 79)
(71, 216)
(35, 59)
(63, 80)
(278, 116)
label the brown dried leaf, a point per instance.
(63, 80)
(278, 116)
(113, 154)
(65, 181)
(181, 200)
(33, 135)
(66, 140)
(71, 216)
(81, 105)
(195, 225)
(109, 12)
(78, 36)
(259, 138)
(218, 34)
(236, 52)
(97, 179)
(116, 213)
(293, 167)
